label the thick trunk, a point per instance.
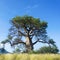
(29, 45)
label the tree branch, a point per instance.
(35, 42)
(44, 42)
(18, 42)
(22, 33)
(6, 41)
(31, 30)
(40, 41)
(17, 26)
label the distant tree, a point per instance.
(27, 30)
(17, 50)
(49, 49)
(3, 43)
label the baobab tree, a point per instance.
(27, 30)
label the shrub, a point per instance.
(48, 49)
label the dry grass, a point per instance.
(29, 57)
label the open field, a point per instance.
(29, 57)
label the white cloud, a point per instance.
(30, 8)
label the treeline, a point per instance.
(46, 49)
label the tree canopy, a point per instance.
(27, 30)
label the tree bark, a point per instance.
(29, 45)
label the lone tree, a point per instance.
(27, 30)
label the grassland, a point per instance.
(29, 57)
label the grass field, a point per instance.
(29, 57)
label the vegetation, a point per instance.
(25, 32)
(29, 57)
(48, 49)
(29, 28)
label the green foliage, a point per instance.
(33, 52)
(26, 27)
(34, 26)
(17, 50)
(52, 42)
(48, 49)
(29, 28)
(29, 22)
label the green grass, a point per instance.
(29, 57)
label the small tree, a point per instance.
(48, 49)
(17, 50)
(27, 30)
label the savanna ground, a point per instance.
(29, 57)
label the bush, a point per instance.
(48, 49)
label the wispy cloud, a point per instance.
(30, 8)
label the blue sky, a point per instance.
(48, 10)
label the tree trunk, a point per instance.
(29, 45)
